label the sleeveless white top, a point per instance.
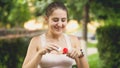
(50, 60)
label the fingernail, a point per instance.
(59, 49)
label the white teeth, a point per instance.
(57, 28)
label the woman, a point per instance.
(46, 50)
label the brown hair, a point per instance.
(53, 6)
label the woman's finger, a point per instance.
(54, 46)
(51, 46)
(74, 53)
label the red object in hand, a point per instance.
(65, 50)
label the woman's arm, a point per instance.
(33, 56)
(35, 52)
(80, 61)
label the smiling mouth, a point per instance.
(57, 28)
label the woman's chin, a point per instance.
(58, 32)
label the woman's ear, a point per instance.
(46, 18)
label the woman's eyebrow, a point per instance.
(64, 18)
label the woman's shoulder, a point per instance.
(77, 41)
(73, 37)
(36, 40)
(74, 40)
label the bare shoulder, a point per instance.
(35, 42)
(35, 39)
(73, 37)
(74, 40)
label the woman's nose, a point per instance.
(60, 24)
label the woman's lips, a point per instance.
(57, 28)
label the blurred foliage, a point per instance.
(75, 8)
(12, 52)
(13, 46)
(92, 61)
(107, 10)
(109, 45)
(14, 12)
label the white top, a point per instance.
(51, 60)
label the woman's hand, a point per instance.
(48, 48)
(74, 53)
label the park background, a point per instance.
(97, 22)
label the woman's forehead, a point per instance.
(59, 13)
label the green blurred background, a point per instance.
(96, 21)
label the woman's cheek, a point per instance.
(64, 25)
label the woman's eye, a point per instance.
(63, 20)
(55, 19)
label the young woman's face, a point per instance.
(57, 21)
